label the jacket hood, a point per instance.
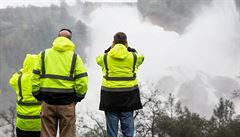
(119, 51)
(28, 63)
(63, 44)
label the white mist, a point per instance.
(209, 45)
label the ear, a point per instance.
(126, 44)
(113, 44)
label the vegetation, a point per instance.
(169, 119)
(171, 14)
(158, 118)
(8, 121)
(32, 29)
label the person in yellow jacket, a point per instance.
(119, 91)
(28, 122)
(59, 81)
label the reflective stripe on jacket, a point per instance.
(59, 70)
(27, 107)
(119, 68)
(119, 91)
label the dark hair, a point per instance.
(120, 38)
(66, 30)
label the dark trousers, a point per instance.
(22, 133)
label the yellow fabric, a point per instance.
(26, 74)
(60, 53)
(28, 63)
(27, 124)
(52, 60)
(120, 64)
(119, 51)
(63, 44)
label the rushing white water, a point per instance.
(210, 45)
(105, 22)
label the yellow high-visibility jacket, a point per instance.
(59, 74)
(119, 91)
(27, 107)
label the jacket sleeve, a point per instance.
(36, 78)
(107, 50)
(99, 60)
(81, 79)
(13, 82)
(140, 59)
(131, 49)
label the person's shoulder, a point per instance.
(16, 73)
(101, 55)
(107, 50)
(44, 51)
(47, 49)
(130, 49)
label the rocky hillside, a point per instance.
(173, 15)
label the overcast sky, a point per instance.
(14, 3)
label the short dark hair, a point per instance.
(66, 30)
(120, 38)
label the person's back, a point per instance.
(60, 81)
(58, 72)
(28, 123)
(119, 92)
(120, 76)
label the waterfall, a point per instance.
(208, 48)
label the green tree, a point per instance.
(90, 126)
(223, 112)
(171, 14)
(30, 30)
(146, 117)
(9, 119)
